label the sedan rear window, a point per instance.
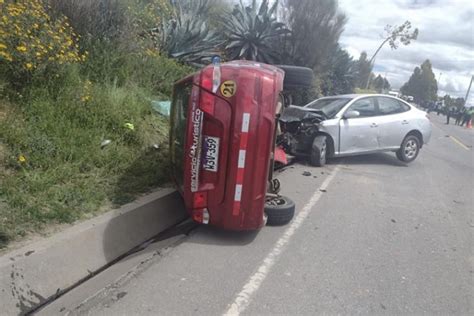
(365, 107)
(329, 107)
(391, 106)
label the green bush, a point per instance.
(143, 67)
(32, 43)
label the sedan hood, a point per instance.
(296, 113)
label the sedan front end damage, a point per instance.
(299, 127)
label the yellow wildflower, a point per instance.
(21, 48)
(7, 56)
(28, 66)
(86, 98)
(21, 159)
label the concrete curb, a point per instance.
(30, 275)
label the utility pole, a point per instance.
(468, 90)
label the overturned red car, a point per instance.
(222, 143)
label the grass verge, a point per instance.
(53, 168)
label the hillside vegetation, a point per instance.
(77, 130)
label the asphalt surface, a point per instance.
(372, 236)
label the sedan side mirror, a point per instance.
(351, 114)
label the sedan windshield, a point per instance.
(329, 107)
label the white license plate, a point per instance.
(211, 153)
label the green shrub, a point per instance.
(143, 67)
(32, 43)
(94, 18)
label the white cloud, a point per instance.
(446, 38)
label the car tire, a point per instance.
(399, 155)
(319, 151)
(280, 211)
(409, 149)
(296, 77)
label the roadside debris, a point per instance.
(105, 142)
(323, 190)
(130, 126)
(306, 173)
(162, 107)
(393, 221)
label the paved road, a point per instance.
(372, 236)
(465, 135)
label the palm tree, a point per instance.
(251, 32)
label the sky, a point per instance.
(446, 37)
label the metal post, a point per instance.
(468, 90)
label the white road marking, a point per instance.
(242, 300)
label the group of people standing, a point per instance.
(462, 116)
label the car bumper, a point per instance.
(427, 134)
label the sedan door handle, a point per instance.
(373, 125)
(405, 122)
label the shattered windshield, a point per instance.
(329, 107)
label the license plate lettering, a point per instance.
(211, 153)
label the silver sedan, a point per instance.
(354, 124)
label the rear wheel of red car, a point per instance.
(319, 151)
(296, 77)
(280, 210)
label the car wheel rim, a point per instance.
(411, 148)
(276, 201)
(323, 152)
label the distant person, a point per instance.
(467, 116)
(430, 106)
(449, 113)
(459, 116)
(471, 115)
